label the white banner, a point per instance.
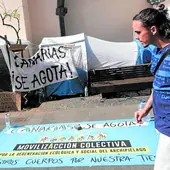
(77, 41)
(51, 64)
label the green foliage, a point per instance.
(11, 15)
(155, 2)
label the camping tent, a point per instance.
(100, 55)
(62, 63)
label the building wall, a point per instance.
(110, 20)
(28, 30)
(44, 22)
(105, 19)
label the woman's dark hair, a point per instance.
(155, 17)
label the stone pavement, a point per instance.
(79, 110)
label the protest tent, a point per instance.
(62, 63)
(102, 55)
(76, 44)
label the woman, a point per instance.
(152, 26)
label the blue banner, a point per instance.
(111, 142)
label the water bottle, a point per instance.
(7, 121)
(141, 105)
(85, 91)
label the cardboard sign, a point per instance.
(10, 101)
